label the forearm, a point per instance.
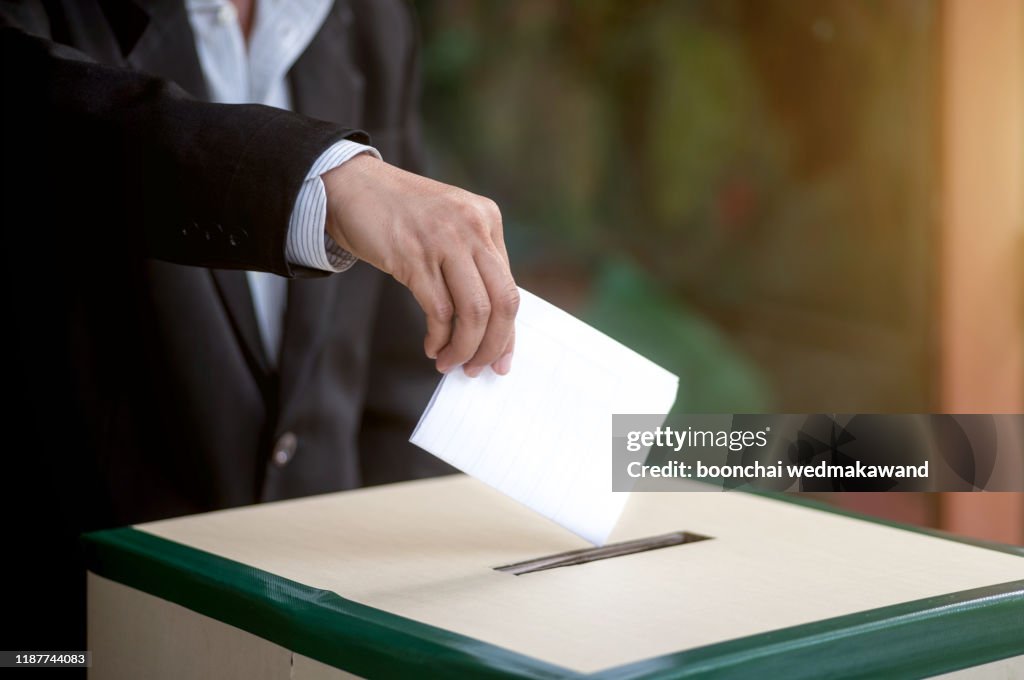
(179, 179)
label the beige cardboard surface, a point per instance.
(137, 635)
(134, 635)
(1006, 669)
(425, 550)
(304, 668)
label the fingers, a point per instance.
(503, 365)
(503, 296)
(497, 230)
(431, 293)
(472, 311)
(470, 299)
(445, 244)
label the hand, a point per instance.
(442, 243)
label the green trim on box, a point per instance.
(911, 639)
(922, 637)
(316, 623)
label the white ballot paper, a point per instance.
(543, 433)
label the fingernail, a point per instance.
(503, 365)
(472, 371)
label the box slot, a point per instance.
(573, 557)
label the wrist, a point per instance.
(341, 185)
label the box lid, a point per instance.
(393, 580)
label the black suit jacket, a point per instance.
(131, 208)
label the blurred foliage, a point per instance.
(743, 155)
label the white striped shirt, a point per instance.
(256, 73)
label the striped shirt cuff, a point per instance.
(308, 243)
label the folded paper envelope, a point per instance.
(402, 581)
(543, 433)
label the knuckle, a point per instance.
(508, 302)
(479, 225)
(466, 210)
(474, 218)
(443, 311)
(478, 308)
(491, 210)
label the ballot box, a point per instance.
(448, 578)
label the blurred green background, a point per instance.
(743, 190)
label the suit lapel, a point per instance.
(324, 81)
(166, 47)
(237, 298)
(325, 84)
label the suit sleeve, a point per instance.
(103, 161)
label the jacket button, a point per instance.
(284, 449)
